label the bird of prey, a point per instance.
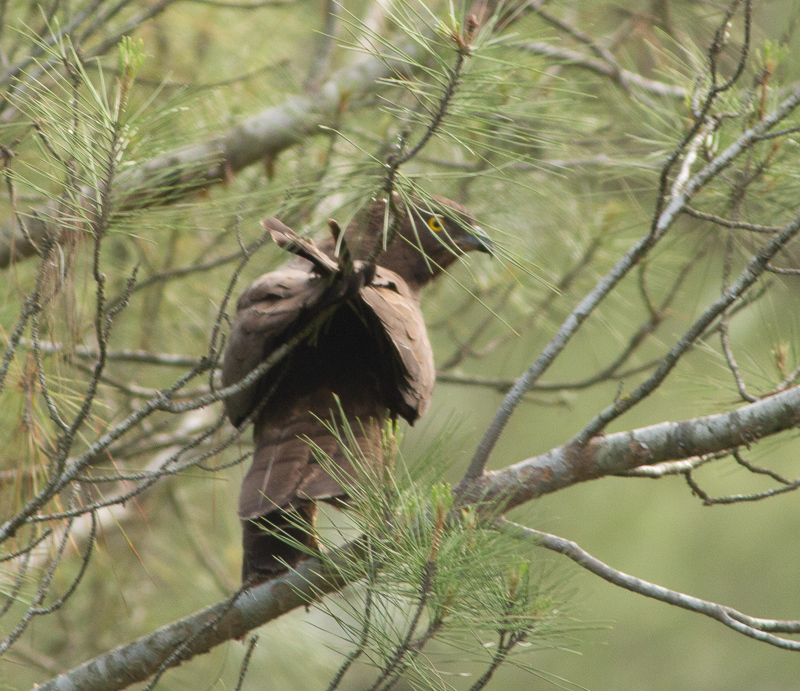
(367, 347)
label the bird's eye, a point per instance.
(435, 224)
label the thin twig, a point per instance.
(708, 500)
(754, 269)
(366, 624)
(726, 223)
(759, 629)
(138, 356)
(621, 77)
(251, 646)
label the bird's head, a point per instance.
(429, 236)
(443, 230)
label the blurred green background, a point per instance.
(577, 163)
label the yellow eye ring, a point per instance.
(435, 224)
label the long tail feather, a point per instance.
(271, 543)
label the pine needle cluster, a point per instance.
(432, 577)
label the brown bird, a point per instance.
(371, 351)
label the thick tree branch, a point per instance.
(202, 631)
(615, 453)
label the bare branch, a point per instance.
(616, 453)
(573, 58)
(326, 42)
(251, 646)
(760, 629)
(738, 498)
(659, 470)
(726, 223)
(138, 356)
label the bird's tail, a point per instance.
(273, 543)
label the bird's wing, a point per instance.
(398, 312)
(266, 314)
(287, 239)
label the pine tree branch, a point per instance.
(187, 170)
(202, 631)
(616, 453)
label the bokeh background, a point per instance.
(573, 162)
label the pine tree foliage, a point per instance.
(432, 573)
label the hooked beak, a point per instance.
(478, 241)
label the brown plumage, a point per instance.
(372, 352)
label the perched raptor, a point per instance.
(366, 345)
